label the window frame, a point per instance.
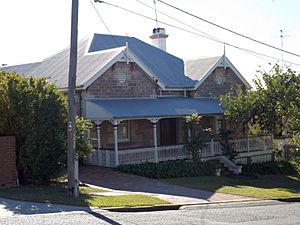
(127, 125)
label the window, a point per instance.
(219, 126)
(123, 131)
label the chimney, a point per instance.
(159, 37)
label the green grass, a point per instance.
(58, 195)
(88, 190)
(267, 187)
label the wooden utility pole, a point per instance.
(72, 157)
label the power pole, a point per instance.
(72, 157)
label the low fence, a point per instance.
(104, 157)
(252, 149)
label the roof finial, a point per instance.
(126, 50)
(224, 57)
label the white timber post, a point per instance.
(248, 143)
(115, 124)
(189, 135)
(154, 124)
(212, 147)
(98, 124)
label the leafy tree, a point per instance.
(36, 113)
(196, 141)
(274, 104)
(227, 145)
(83, 148)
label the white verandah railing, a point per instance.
(255, 147)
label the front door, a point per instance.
(168, 131)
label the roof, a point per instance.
(101, 51)
(99, 109)
(200, 69)
(56, 67)
(168, 68)
(197, 68)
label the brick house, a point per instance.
(137, 95)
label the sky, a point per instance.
(33, 30)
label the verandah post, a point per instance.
(115, 126)
(154, 124)
(212, 147)
(98, 130)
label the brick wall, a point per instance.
(137, 83)
(210, 87)
(7, 161)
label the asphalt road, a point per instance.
(254, 213)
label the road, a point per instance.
(254, 213)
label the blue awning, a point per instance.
(107, 109)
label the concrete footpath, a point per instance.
(121, 183)
(9, 207)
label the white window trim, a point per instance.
(128, 130)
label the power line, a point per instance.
(197, 34)
(107, 28)
(185, 24)
(229, 30)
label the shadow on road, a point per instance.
(10, 207)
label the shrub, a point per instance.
(170, 169)
(35, 112)
(273, 167)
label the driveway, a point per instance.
(121, 183)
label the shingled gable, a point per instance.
(201, 69)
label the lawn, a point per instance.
(267, 187)
(58, 195)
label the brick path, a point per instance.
(121, 183)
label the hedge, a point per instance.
(170, 169)
(272, 168)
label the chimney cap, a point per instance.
(159, 30)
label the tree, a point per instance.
(195, 141)
(274, 104)
(83, 148)
(36, 113)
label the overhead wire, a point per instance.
(206, 34)
(197, 34)
(178, 21)
(107, 28)
(229, 30)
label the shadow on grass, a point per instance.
(269, 186)
(45, 198)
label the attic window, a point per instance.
(121, 78)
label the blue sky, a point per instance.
(32, 30)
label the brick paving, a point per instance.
(121, 183)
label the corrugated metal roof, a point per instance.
(168, 68)
(99, 109)
(56, 67)
(197, 68)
